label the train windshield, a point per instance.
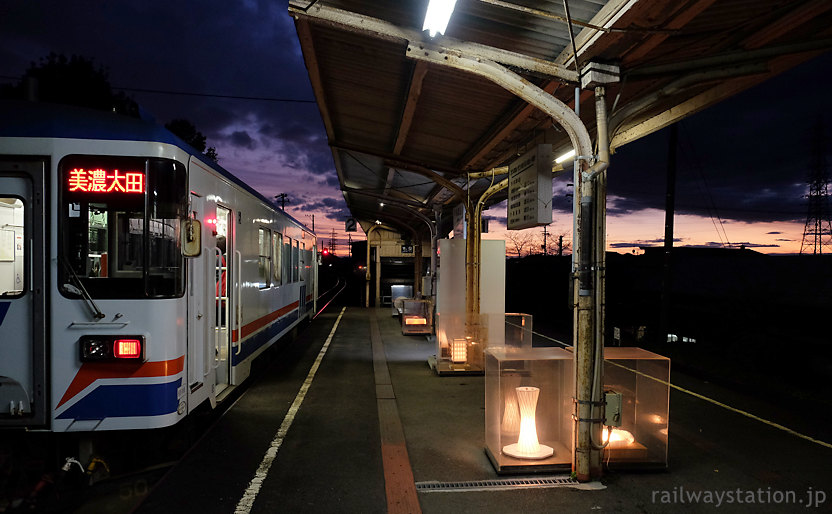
(119, 226)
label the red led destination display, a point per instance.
(100, 180)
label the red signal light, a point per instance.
(127, 348)
(325, 252)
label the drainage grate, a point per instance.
(505, 484)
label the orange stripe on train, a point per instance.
(92, 371)
(257, 324)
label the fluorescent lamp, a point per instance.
(437, 17)
(566, 156)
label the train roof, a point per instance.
(33, 119)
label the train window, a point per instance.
(264, 265)
(277, 252)
(120, 226)
(287, 259)
(12, 247)
(295, 261)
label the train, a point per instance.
(138, 279)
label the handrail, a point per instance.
(238, 293)
(219, 305)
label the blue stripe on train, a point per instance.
(253, 343)
(118, 401)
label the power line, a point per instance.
(215, 95)
(202, 95)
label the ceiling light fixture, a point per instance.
(566, 156)
(437, 16)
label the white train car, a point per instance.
(138, 279)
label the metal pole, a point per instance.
(600, 244)
(589, 259)
(669, 213)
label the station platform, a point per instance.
(379, 431)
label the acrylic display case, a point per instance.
(461, 338)
(460, 345)
(528, 408)
(641, 439)
(417, 316)
(518, 330)
(397, 294)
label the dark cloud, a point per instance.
(774, 233)
(746, 159)
(714, 244)
(242, 139)
(335, 208)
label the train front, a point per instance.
(98, 341)
(119, 316)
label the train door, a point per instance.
(200, 311)
(223, 284)
(22, 294)
(304, 277)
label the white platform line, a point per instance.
(247, 501)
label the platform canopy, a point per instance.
(400, 126)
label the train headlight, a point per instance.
(102, 348)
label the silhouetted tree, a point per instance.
(521, 240)
(187, 132)
(72, 81)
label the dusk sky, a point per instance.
(742, 166)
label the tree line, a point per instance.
(76, 80)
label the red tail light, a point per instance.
(127, 348)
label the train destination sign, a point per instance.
(100, 180)
(530, 189)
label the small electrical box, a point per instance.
(613, 410)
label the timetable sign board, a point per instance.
(530, 189)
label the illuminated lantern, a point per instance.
(459, 351)
(618, 438)
(527, 445)
(510, 424)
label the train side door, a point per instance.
(22, 295)
(223, 281)
(201, 310)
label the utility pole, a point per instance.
(669, 212)
(283, 197)
(545, 246)
(332, 243)
(560, 245)
(349, 243)
(313, 222)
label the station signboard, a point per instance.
(530, 189)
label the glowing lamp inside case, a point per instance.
(460, 345)
(417, 316)
(640, 440)
(528, 408)
(617, 438)
(527, 445)
(459, 350)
